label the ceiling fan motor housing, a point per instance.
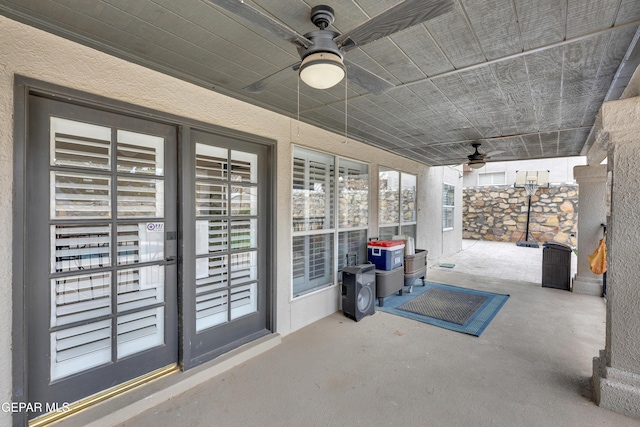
(322, 42)
(476, 154)
(322, 16)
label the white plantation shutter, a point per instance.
(80, 247)
(140, 154)
(211, 199)
(80, 196)
(211, 309)
(140, 331)
(76, 298)
(211, 162)
(313, 205)
(140, 287)
(80, 145)
(83, 275)
(226, 206)
(244, 167)
(140, 198)
(79, 348)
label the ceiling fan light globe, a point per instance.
(322, 70)
(476, 164)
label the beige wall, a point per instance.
(438, 242)
(35, 54)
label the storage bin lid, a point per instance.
(394, 244)
(557, 246)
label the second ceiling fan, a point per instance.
(322, 64)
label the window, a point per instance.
(320, 231)
(492, 178)
(313, 220)
(353, 210)
(448, 204)
(397, 204)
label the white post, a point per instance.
(592, 213)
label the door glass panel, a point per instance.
(140, 287)
(243, 300)
(244, 167)
(80, 247)
(140, 154)
(140, 242)
(211, 199)
(244, 234)
(226, 283)
(140, 331)
(244, 200)
(80, 145)
(243, 267)
(80, 348)
(82, 313)
(212, 273)
(140, 198)
(211, 278)
(211, 162)
(80, 196)
(211, 309)
(80, 297)
(211, 236)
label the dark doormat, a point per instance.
(445, 304)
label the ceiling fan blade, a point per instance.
(366, 79)
(493, 153)
(399, 17)
(254, 16)
(273, 78)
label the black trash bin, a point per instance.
(556, 266)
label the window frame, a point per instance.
(493, 175)
(336, 232)
(445, 207)
(401, 223)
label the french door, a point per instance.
(129, 222)
(225, 245)
(101, 250)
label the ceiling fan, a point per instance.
(476, 160)
(322, 64)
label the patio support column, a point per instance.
(616, 372)
(592, 212)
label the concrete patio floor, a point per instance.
(530, 367)
(500, 259)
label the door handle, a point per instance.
(170, 259)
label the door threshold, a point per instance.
(122, 407)
(90, 401)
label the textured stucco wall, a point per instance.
(35, 54)
(616, 372)
(623, 236)
(441, 243)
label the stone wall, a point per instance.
(389, 201)
(499, 213)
